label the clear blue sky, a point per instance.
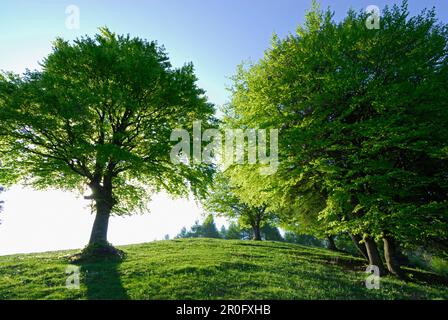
(216, 35)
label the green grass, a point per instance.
(209, 269)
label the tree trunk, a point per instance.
(374, 255)
(361, 247)
(100, 225)
(331, 243)
(104, 203)
(392, 257)
(256, 232)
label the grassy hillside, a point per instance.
(209, 269)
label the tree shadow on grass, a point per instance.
(102, 280)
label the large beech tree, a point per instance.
(97, 118)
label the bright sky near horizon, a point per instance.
(216, 35)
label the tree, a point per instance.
(223, 232)
(205, 230)
(99, 116)
(195, 231)
(271, 233)
(362, 119)
(182, 234)
(223, 200)
(209, 229)
(234, 231)
(304, 239)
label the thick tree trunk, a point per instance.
(361, 246)
(392, 257)
(374, 255)
(331, 243)
(256, 220)
(104, 203)
(100, 225)
(256, 232)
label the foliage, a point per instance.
(270, 233)
(209, 229)
(234, 231)
(345, 243)
(183, 233)
(303, 239)
(102, 109)
(223, 200)
(205, 230)
(362, 124)
(439, 266)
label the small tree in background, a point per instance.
(182, 234)
(271, 233)
(304, 239)
(196, 230)
(209, 229)
(234, 231)
(223, 201)
(223, 232)
(205, 230)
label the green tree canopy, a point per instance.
(234, 231)
(205, 230)
(224, 200)
(209, 229)
(362, 115)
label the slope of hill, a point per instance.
(209, 269)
